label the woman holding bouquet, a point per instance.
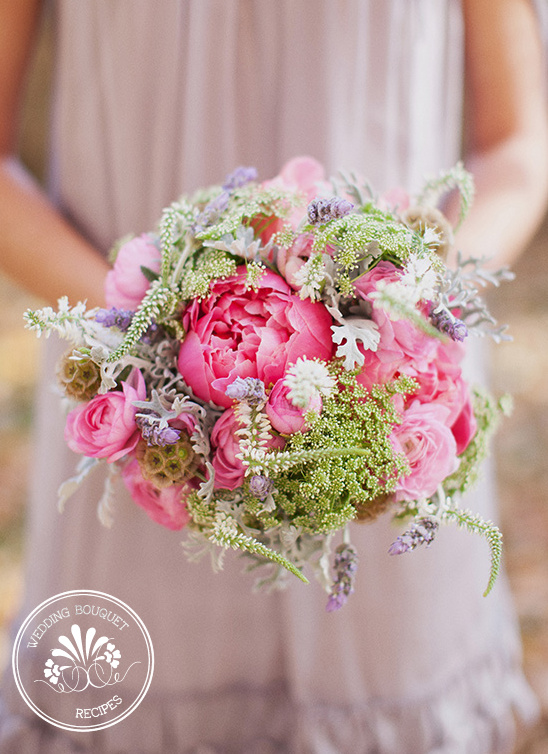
(152, 100)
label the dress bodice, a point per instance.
(155, 99)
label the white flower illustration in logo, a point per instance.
(51, 671)
(90, 662)
(112, 655)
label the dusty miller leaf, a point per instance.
(353, 330)
(69, 487)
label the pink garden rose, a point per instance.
(125, 283)
(429, 446)
(241, 332)
(166, 507)
(284, 416)
(403, 348)
(367, 283)
(434, 364)
(229, 470)
(395, 200)
(185, 422)
(401, 342)
(442, 382)
(290, 260)
(465, 425)
(105, 427)
(303, 173)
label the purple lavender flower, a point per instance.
(346, 565)
(153, 433)
(237, 390)
(250, 389)
(444, 321)
(113, 317)
(422, 531)
(459, 331)
(261, 486)
(219, 204)
(212, 211)
(239, 178)
(321, 211)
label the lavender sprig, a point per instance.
(422, 531)
(446, 323)
(239, 177)
(250, 390)
(113, 317)
(321, 211)
(346, 565)
(212, 211)
(154, 433)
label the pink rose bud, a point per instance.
(229, 470)
(285, 417)
(166, 506)
(125, 284)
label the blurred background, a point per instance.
(521, 447)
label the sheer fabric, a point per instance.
(155, 99)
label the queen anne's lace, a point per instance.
(307, 378)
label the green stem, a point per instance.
(288, 459)
(275, 557)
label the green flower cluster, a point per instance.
(356, 461)
(361, 239)
(322, 479)
(208, 267)
(262, 204)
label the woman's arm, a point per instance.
(38, 248)
(506, 128)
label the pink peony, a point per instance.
(165, 507)
(105, 426)
(241, 332)
(429, 446)
(125, 284)
(229, 470)
(284, 416)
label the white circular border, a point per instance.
(15, 660)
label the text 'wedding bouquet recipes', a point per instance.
(281, 359)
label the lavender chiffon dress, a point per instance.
(155, 99)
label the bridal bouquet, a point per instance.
(279, 360)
